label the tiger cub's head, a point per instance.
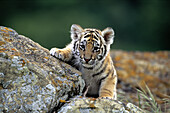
(92, 45)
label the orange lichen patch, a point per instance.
(11, 55)
(3, 30)
(17, 54)
(127, 71)
(13, 49)
(93, 99)
(80, 97)
(118, 64)
(148, 55)
(8, 39)
(53, 81)
(151, 81)
(142, 75)
(46, 57)
(132, 72)
(2, 43)
(123, 74)
(28, 62)
(162, 54)
(117, 58)
(3, 49)
(59, 81)
(150, 78)
(5, 34)
(62, 101)
(131, 63)
(23, 62)
(33, 49)
(7, 29)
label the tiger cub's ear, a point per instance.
(108, 35)
(76, 31)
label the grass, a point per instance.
(147, 100)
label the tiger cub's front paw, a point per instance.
(58, 53)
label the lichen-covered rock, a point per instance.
(92, 105)
(30, 79)
(135, 69)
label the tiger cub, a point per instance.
(89, 53)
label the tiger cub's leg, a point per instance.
(108, 87)
(64, 54)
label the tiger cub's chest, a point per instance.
(92, 82)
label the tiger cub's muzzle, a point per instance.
(88, 61)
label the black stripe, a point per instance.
(100, 81)
(95, 37)
(105, 50)
(100, 71)
(101, 56)
(96, 34)
(89, 30)
(75, 45)
(87, 36)
(103, 53)
(85, 33)
(107, 90)
(100, 65)
(96, 31)
(88, 67)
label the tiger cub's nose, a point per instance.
(87, 60)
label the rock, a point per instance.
(31, 80)
(92, 105)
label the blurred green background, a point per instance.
(139, 24)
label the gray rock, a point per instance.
(31, 80)
(92, 105)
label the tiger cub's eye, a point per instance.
(95, 48)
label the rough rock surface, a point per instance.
(30, 79)
(92, 105)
